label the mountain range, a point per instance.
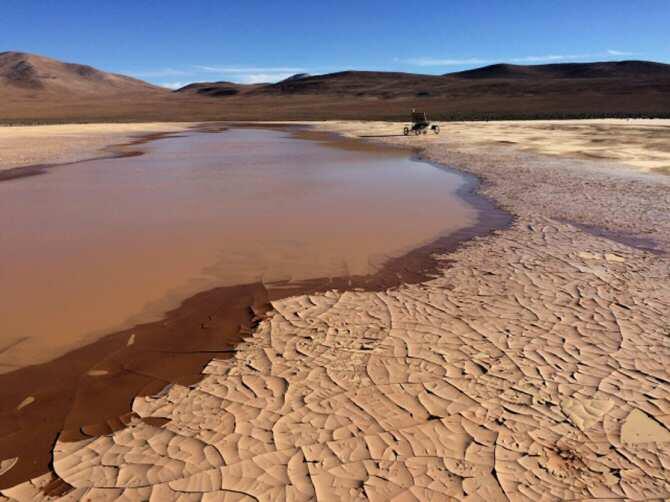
(39, 89)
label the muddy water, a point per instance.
(102, 245)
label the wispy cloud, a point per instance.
(547, 58)
(444, 62)
(193, 73)
(159, 73)
(613, 52)
(544, 58)
(248, 70)
(258, 78)
(251, 74)
(173, 85)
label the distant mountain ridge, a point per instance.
(607, 69)
(394, 84)
(357, 83)
(37, 89)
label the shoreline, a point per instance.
(534, 364)
(117, 151)
(90, 411)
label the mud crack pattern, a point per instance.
(522, 372)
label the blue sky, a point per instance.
(172, 43)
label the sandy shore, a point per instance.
(639, 143)
(58, 144)
(533, 366)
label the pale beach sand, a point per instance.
(534, 366)
(640, 143)
(22, 146)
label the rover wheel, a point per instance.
(405, 131)
(436, 129)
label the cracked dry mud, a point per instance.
(533, 367)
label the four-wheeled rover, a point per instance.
(421, 124)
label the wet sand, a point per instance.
(532, 365)
(96, 383)
(60, 144)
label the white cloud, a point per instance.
(544, 58)
(162, 72)
(444, 62)
(173, 85)
(613, 52)
(552, 57)
(200, 73)
(252, 74)
(248, 70)
(259, 78)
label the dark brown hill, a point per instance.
(216, 89)
(349, 83)
(613, 69)
(501, 80)
(357, 83)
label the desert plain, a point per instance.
(531, 365)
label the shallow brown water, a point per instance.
(101, 245)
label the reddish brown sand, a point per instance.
(95, 384)
(121, 241)
(532, 366)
